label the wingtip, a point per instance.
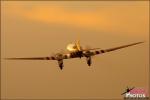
(9, 58)
(143, 41)
(6, 58)
(140, 42)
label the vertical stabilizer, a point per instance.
(78, 45)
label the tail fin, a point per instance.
(78, 45)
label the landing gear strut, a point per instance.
(88, 59)
(60, 63)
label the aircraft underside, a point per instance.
(77, 54)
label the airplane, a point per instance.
(128, 90)
(76, 51)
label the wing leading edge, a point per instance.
(115, 48)
(33, 58)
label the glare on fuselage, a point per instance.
(72, 47)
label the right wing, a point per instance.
(33, 58)
(62, 56)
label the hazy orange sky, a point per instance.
(40, 28)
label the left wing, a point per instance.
(113, 49)
(90, 49)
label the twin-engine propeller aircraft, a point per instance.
(75, 51)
